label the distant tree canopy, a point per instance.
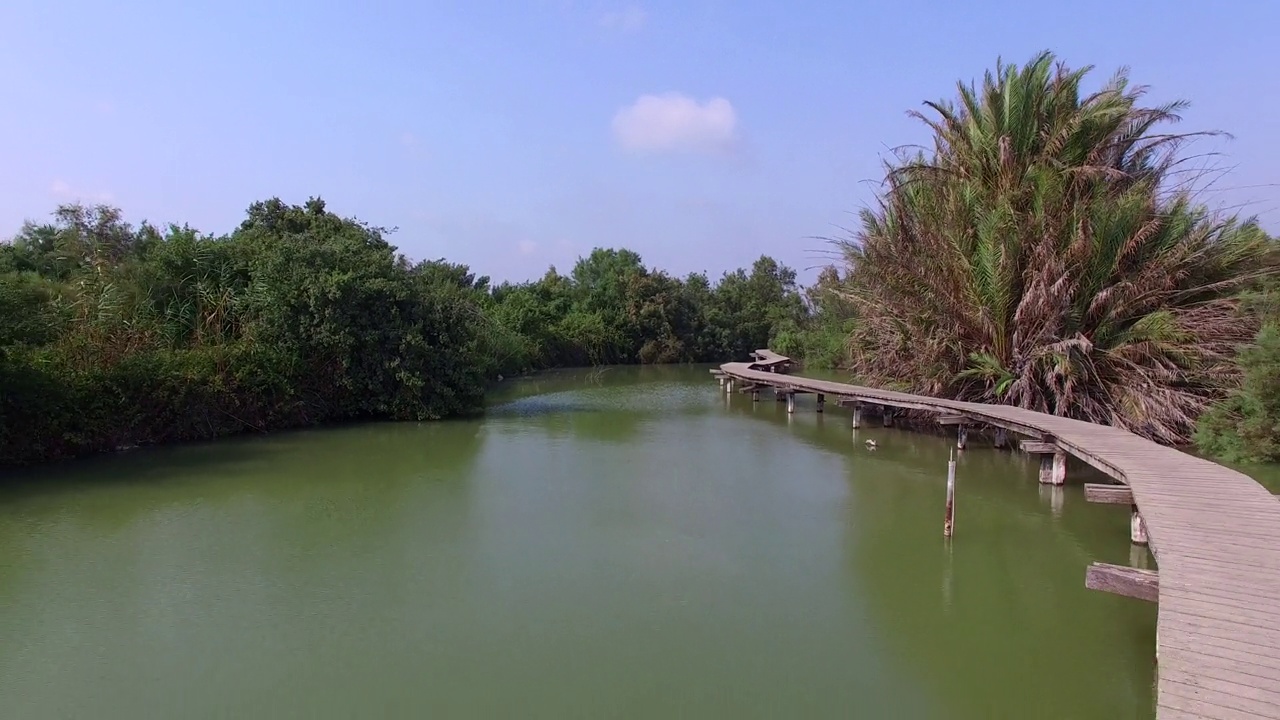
(612, 309)
(114, 336)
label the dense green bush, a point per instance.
(114, 336)
(821, 338)
(1246, 426)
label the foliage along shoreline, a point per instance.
(116, 336)
(1043, 252)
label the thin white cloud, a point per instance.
(676, 123)
(628, 19)
(62, 190)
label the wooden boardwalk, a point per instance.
(1215, 534)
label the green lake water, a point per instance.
(618, 543)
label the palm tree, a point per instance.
(1048, 253)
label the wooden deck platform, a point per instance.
(1215, 534)
(770, 361)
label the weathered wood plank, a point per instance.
(1221, 650)
(1258, 577)
(1224, 700)
(1230, 652)
(1168, 713)
(1121, 580)
(1228, 618)
(1236, 630)
(1247, 597)
(1219, 667)
(1251, 696)
(952, 420)
(1111, 494)
(1196, 708)
(1036, 447)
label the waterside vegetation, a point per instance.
(1048, 249)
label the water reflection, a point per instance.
(994, 616)
(607, 544)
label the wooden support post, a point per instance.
(1059, 470)
(1107, 493)
(822, 400)
(1002, 438)
(728, 386)
(949, 523)
(962, 436)
(721, 379)
(1137, 530)
(1053, 461)
(1139, 557)
(856, 422)
(886, 416)
(1121, 580)
(755, 395)
(791, 403)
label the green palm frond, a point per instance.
(1042, 255)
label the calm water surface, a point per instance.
(624, 543)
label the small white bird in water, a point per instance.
(872, 445)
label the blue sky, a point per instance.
(516, 135)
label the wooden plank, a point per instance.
(1039, 448)
(1247, 656)
(1224, 589)
(953, 420)
(1216, 566)
(1111, 494)
(1121, 580)
(1219, 667)
(1168, 713)
(1244, 659)
(1169, 704)
(1246, 695)
(1226, 618)
(1224, 696)
(1228, 633)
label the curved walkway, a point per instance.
(1215, 534)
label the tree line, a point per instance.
(114, 336)
(1047, 249)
